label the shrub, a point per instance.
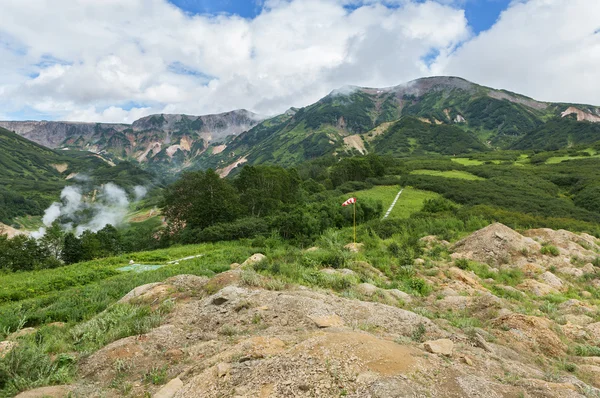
(586, 350)
(418, 333)
(418, 286)
(27, 366)
(549, 250)
(119, 321)
(462, 263)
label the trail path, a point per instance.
(387, 213)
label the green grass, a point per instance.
(80, 291)
(467, 161)
(21, 285)
(558, 159)
(473, 162)
(448, 174)
(29, 223)
(411, 200)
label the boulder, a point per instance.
(47, 392)
(253, 259)
(440, 347)
(589, 268)
(187, 282)
(21, 333)
(327, 321)
(594, 330)
(234, 265)
(366, 289)
(537, 288)
(6, 347)
(575, 272)
(454, 303)
(580, 320)
(222, 369)
(368, 270)
(354, 247)
(346, 271)
(328, 271)
(170, 389)
(139, 291)
(399, 295)
(469, 278)
(552, 280)
(574, 306)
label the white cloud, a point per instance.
(118, 60)
(546, 49)
(91, 60)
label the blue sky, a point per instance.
(481, 14)
(243, 8)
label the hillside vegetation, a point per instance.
(33, 176)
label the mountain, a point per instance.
(154, 141)
(443, 115)
(33, 175)
(435, 115)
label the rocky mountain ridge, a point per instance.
(433, 115)
(446, 115)
(162, 138)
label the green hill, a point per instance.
(33, 176)
(438, 115)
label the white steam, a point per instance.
(140, 192)
(106, 205)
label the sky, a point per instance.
(119, 60)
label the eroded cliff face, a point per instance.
(590, 116)
(166, 138)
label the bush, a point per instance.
(27, 366)
(353, 186)
(462, 263)
(550, 250)
(325, 258)
(586, 350)
(418, 286)
(117, 322)
(242, 228)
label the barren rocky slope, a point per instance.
(510, 315)
(163, 138)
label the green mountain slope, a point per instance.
(32, 175)
(410, 136)
(440, 115)
(559, 133)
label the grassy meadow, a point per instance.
(411, 200)
(448, 174)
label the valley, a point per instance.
(184, 256)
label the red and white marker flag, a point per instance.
(349, 202)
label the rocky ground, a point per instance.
(478, 334)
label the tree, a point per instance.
(264, 189)
(53, 240)
(90, 246)
(72, 250)
(201, 199)
(110, 241)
